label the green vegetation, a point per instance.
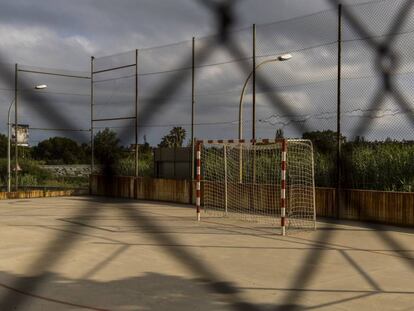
(174, 139)
(61, 150)
(378, 165)
(32, 175)
(385, 165)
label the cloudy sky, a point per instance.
(64, 34)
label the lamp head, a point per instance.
(284, 57)
(40, 86)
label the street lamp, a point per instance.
(37, 87)
(280, 58)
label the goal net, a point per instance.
(267, 181)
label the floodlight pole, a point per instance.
(92, 103)
(192, 108)
(9, 147)
(16, 69)
(338, 121)
(136, 116)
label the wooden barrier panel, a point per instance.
(41, 194)
(396, 208)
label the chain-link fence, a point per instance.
(345, 86)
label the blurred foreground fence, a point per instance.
(394, 208)
(348, 88)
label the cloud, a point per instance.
(64, 34)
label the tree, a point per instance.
(324, 141)
(173, 139)
(279, 134)
(3, 146)
(59, 150)
(107, 150)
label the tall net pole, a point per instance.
(136, 116)
(16, 145)
(92, 103)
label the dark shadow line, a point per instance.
(211, 279)
(374, 227)
(105, 262)
(328, 290)
(210, 246)
(78, 223)
(377, 102)
(401, 17)
(384, 235)
(277, 101)
(361, 271)
(305, 274)
(169, 86)
(339, 301)
(81, 234)
(51, 254)
(356, 25)
(127, 231)
(402, 102)
(253, 247)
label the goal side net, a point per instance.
(266, 181)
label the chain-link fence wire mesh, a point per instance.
(114, 111)
(378, 155)
(7, 99)
(373, 158)
(218, 85)
(170, 125)
(287, 302)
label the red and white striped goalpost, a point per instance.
(283, 188)
(198, 178)
(283, 143)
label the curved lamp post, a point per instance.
(280, 58)
(37, 87)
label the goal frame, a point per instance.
(283, 172)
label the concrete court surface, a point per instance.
(89, 253)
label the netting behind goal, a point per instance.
(246, 181)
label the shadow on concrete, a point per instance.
(151, 291)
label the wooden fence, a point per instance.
(41, 194)
(396, 208)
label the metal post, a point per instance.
(254, 103)
(225, 179)
(192, 107)
(136, 116)
(9, 147)
(254, 83)
(338, 115)
(16, 154)
(92, 103)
